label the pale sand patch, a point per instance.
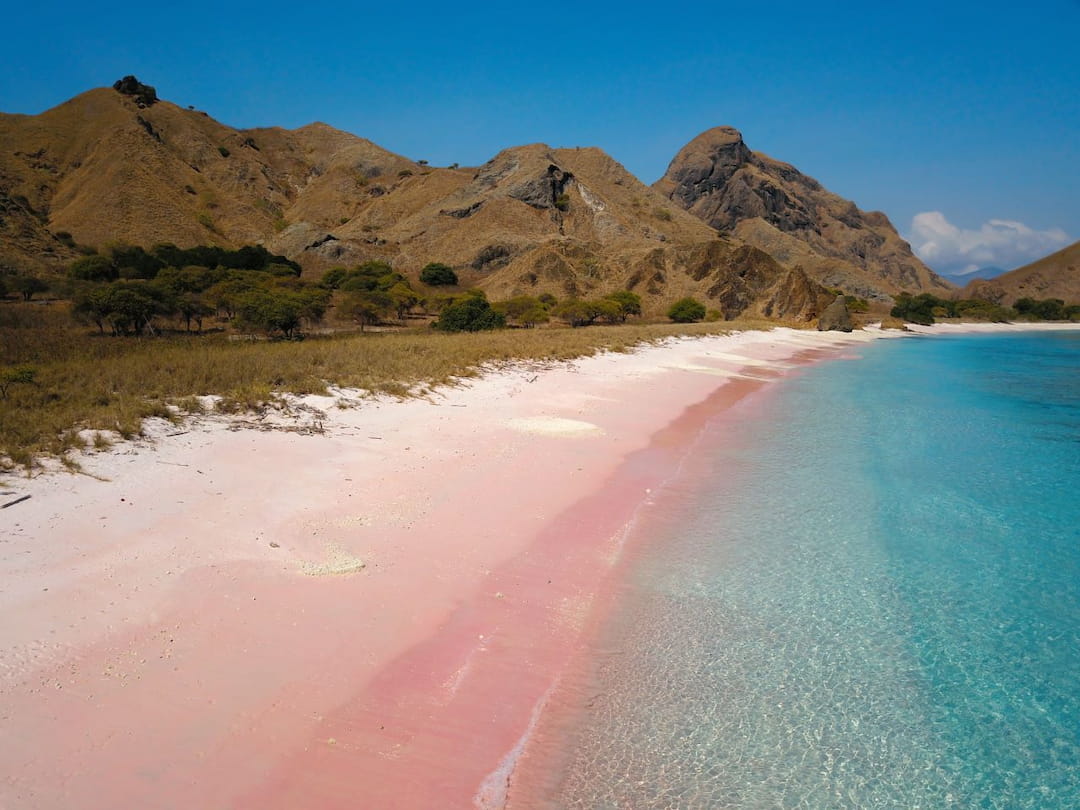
(555, 426)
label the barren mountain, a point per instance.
(779, 209)
(116, 164)
(1053, 276)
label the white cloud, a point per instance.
(998, 243)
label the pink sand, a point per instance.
(366, 618)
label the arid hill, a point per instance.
(775, 207)
(1053, 276)
(119, 165)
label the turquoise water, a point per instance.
(870, 598)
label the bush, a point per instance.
(856, 304)
(27, 286)
(93, 268)
(470, 313)
(627, 302)
(15, 375)
(366, 307)
(918, 308)
(1048, 309)
(280, 310)
(437, 274)
(223, 151)
(686, 310)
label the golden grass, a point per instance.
(86, 381)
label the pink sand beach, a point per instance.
(370, 616)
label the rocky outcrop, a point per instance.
(144, 94)
(776, 207)
(836, 317)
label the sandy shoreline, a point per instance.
(244, 618)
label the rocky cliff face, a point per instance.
(791, 216)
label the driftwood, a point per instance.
(17, 500)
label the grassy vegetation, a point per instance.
(87, 381)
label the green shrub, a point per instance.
(437, 274)
(686, 310)
(28, 286)
(15, 375)
(856, 304)
(224, 152)
(93, 268)
(470, 313)
(627, 302)
(1048, 309)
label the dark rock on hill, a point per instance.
(144, 94)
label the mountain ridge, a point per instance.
(1053, 276)
(122, 165)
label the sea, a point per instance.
(862, 592)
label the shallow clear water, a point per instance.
(868, 599)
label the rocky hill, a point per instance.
(118, 164)
(789, 215)
(1053, 276)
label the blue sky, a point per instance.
(968, 113)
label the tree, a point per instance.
(686, 310)
(470, 313)
(531, 317)
(28, 286)
(403, 298)
(191, 307)
(93, 268)
(579, 313)
(132, 261)
(628, 303)
(91, 305)
(15, 375)
(333, 277)
(1048, 309)
(437, 274)
(271, 311)
(367, 308)
(919, 308)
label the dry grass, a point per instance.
(85, 381)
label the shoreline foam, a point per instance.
(165, 644)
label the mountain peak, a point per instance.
(777, 208)
(719, 136)
(144, 94)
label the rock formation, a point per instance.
(836, 317)
(144, 94)
(792, 217)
